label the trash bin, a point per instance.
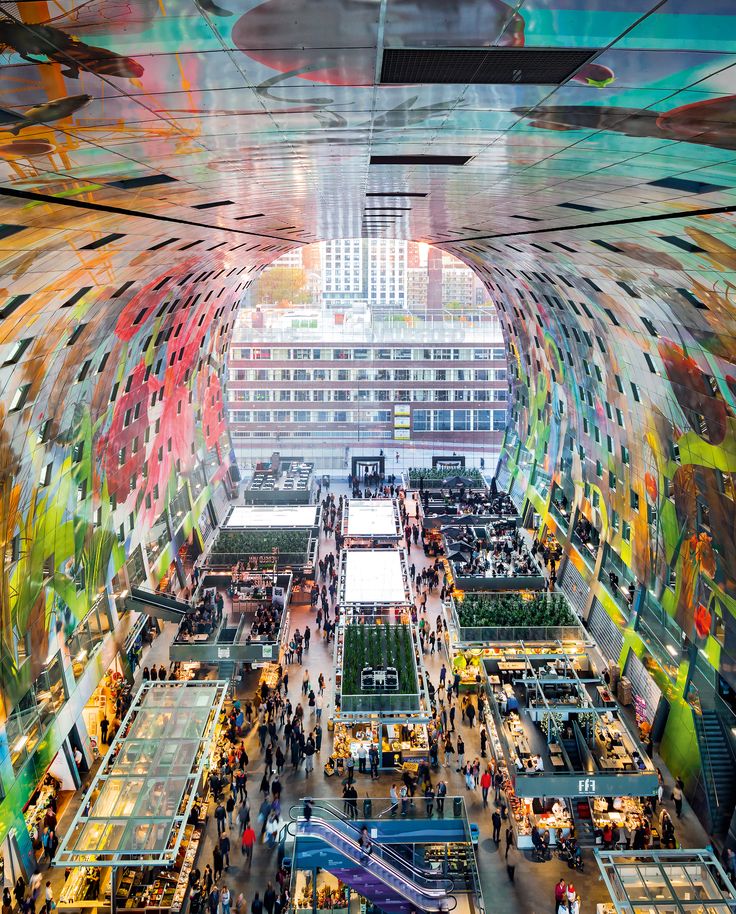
(457, 806)
(367, 808)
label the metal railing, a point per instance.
(431, 886)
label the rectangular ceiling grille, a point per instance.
(394, 193)
(482, 66)
(420, 160)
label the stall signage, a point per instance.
(267, 650)
(223, 653)
(624, 784)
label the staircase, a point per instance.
(573, 753)
(388, 882)
(583, 827)
(718, 769)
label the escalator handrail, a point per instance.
(431, 895)
(418, 873)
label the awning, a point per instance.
(136, 809)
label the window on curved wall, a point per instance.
(34, 713)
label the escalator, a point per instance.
(384, 877)
(160, 606)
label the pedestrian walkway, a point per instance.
(533, 889)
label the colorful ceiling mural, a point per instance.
(155, 155)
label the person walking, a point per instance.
(460, 754)
(496, 820)
(220, 816)
(269, 897)
(213, 900)
(677, 796)
(248, 841)
(512, 859)
(309, 751)
(256, 906)
(394, 794)
(449, 751)
(225, 849)
(404, 794)
(560, 894)
(225, 899)
(485, 786)
(49, 903)
(441, 794)
(217, 863)
(429, 799)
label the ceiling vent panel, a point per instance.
(420, 160)
(483, 66)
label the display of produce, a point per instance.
(245, 543)
(378, 647)
(514, 609)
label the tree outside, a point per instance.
(282, 284)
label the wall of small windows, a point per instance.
(459, 420)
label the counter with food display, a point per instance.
(87, 887)
(404, 743)
(469, 663)
(398, 743)
(153, 889)
(42, 809)
(557, 821)
(625, 813)
(138, 889)
(519, 807)
(320, 892)
(350, 738)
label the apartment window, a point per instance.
(422, 420)
(499, 420)
(442, 420)
(634, 499)
(482, 420)
(626, 532)
(461, 421)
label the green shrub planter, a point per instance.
(260, 542)
(511, 611)
(436, 475)
(377, 646)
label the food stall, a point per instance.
(86, 888)
(371, 523)
(402, 743)
(349, 738)
(374, 582)
(399, 743)
(318, 890)
(149, 779)
(624, 813)
(511, 657)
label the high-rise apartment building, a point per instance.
(386, 272)
(344, 265)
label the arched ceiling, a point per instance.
(154, 154)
